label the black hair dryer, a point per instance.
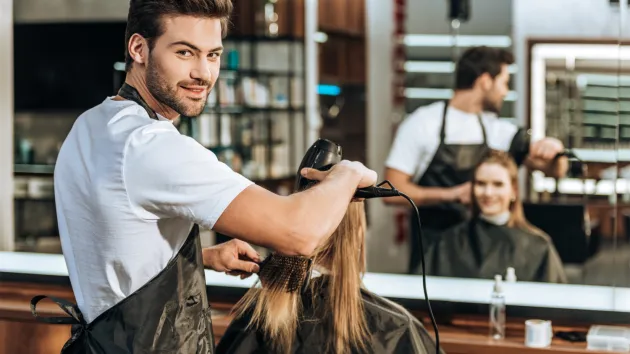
(322, 155)
(577, 167)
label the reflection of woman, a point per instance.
(497, 236)
(334, 315)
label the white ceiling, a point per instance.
(488, 17)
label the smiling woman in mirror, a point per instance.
(497, 236)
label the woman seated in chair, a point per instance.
(497, 236)
(332, 313)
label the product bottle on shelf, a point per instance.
(497, 310)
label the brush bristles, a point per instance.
(284, 273)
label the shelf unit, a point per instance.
(259, 117)
(255, 116)
(342, 75)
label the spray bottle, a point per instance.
(497, 310)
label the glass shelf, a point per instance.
(33, 169)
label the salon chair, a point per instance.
(566, 225)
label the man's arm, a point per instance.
(556, 168)
(298, 223)
(539, 155)
(423, 195)
(542, 157)
(171, 176)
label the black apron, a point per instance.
(169, 314)
(451, 166)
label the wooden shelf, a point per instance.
(246, 25)
(461, 334)
(253, 38)
(342, 17)
(247, 109)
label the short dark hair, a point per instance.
(145, 17)
(477, 61)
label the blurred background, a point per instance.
(350, 71)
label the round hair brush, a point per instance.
(285, 273)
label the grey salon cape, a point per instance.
(479, 249)
(393, 330)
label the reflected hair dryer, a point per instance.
(523, 140)
(521, 145)
(322, 155)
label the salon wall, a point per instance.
(486, 17)
(6, 124)
(381, 256)
(63, 10)
(560, 19)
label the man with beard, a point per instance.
(131, 193)
(437, 147)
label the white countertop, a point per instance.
(400, 286)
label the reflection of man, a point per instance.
(437, 146)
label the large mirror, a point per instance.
(567, 82)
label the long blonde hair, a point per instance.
(517, 216)
(277, 313)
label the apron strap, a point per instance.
(483, 129)
(443, 129)
(129, 92)
(76, 317)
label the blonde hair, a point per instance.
(517, 216)
(276, 313)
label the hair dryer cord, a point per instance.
(379, 192)
(424, 279)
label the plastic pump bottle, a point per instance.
(510, 276)
(497, 310)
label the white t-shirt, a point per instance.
(128, 189)
(418, 136)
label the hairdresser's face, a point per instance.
(493, 189)
(184, 63)
(496, 90)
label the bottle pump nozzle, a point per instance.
(498, 283)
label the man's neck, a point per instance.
(139, 83)
(466, 101)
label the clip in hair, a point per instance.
(285, 273)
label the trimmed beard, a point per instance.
(167, 95)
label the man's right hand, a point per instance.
(461, 193)
(368, 177)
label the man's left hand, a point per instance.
(234, 257)
(546, 149)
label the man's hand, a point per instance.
(461, 193)
(542, 157)
(545, 149)
(234, 257)
(368, 177)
